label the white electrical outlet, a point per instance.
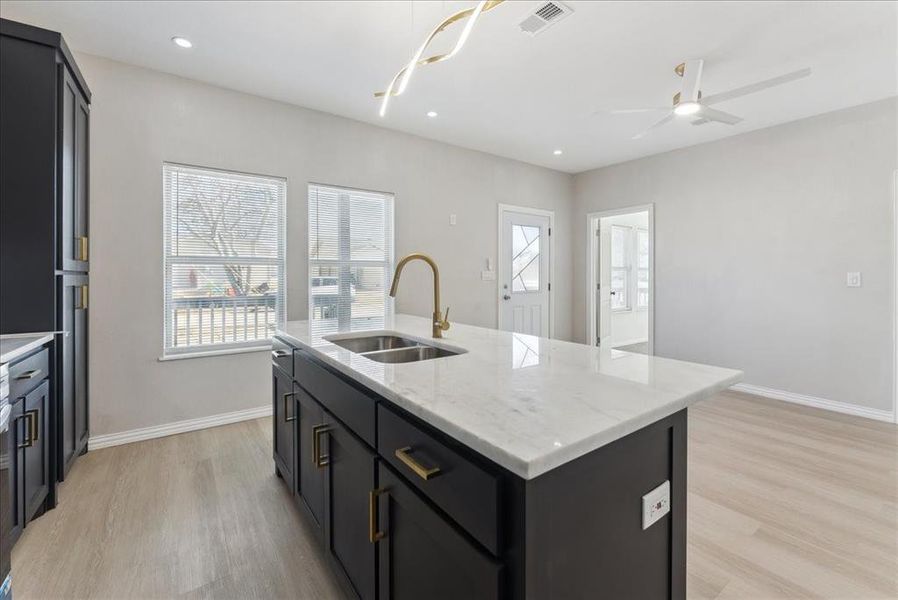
(853, 279)
(655, 504)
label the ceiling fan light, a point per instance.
(687, 108)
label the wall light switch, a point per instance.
(854, 279)
(452, 219)
(655, 504)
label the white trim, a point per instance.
(500, 238)
(220, 352)
(630, 342)
(158, 431)
(592, 224)
(832, 405)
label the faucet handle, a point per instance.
(444, 322)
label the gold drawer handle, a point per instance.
(373, 534)
(35, 426)
(317, 432)
(286, 418)
(30, 441)
(419, 469)
(82, 247)
(29, 374)
(83, 297)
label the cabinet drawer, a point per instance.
(464, 490)
(282, 356)
(350, 405)
(28, 373)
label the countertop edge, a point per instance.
(12, 355)
(518, 466)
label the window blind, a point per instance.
(224, 258)
(350, 258)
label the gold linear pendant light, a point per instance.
(400, 81)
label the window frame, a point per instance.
(344, 251)
(170, 351)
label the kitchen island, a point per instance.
(514, 467)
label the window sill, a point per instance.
(208, 353)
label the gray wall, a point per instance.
(754, 235)
(141, 118)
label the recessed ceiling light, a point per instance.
(432, 113)
(182, 42)
(557, 153)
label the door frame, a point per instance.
(592, 224)
(540, 212)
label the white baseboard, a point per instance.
(158, 431)
(833, 405)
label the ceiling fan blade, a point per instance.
(756, 87)
(628, 111)
(712, 114)
(692, 80)
(655, 126)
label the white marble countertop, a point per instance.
(529, 404)
(14, 345)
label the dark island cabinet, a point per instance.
(36, 451)
(16, 453)
(350, 482)
(72, 395)
(283, 417)
(310, 470)
(405, 512)
(421, 555)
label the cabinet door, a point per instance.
(72, 371)
(422, 555)
(36, 449)
(14, 454)
(73, 156)
(350, 479)
(309, 475)
(283, 413)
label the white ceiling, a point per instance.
(507, 93)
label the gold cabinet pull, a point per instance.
(286, 418)
(419, 469)
(35, 426)
(317, 432)
(29, 374)
(373, 534)
(30, 429)
(82, 247)
(84, 297)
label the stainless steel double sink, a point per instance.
(388, 348)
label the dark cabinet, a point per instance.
(350, 479)
(73, 144)
(72, 380)
(283, 416)
(35, 449)
(310, 468)
(421, 555)
(44, 217)
(15, 455)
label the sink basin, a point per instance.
(387, 348)
(373, 343)
(413, 354)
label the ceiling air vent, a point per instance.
(546, 15)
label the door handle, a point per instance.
(373, 534)
(286, 418)
(506, 297)
(419, 469)
(317, 432)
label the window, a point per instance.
(620, 267)
(350, 258)
(525, 258)
(224, 258)
(642, 268)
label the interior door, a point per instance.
(603, 293)
(524, 285)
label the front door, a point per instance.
(524, 285)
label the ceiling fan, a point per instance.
(689, 102)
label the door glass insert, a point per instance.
(525, 258)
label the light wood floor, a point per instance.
(784, 502)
